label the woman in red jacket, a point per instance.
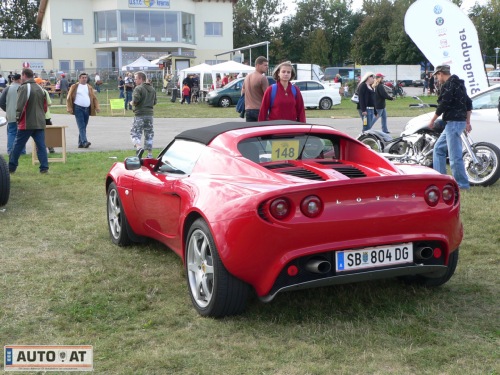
(286, 103)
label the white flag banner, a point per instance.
(446, 36)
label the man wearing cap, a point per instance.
(30, 115)
(455, 106)
(8, 102)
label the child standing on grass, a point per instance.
(186, 94)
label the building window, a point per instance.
(72, 26)
(106, 26)
(213, 28)
(153, 26)
(187, 28)
(79, 65)
(64, 65)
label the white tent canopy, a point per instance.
(230, 67)
(201, 69)
(141, 64)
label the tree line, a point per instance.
(324, 32)
(19, 19)
(331, 33)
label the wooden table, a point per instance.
(55, 136)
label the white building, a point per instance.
(104, 35)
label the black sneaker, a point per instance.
(86, 145)
(81, 146)
(44, 171)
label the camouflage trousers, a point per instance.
(140, 125)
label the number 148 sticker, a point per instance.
(285, 150)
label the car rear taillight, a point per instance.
(280, 208)
(432, 195)
(448, 194)
(311, 206)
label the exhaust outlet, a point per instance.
(318, 265)
(423, 253)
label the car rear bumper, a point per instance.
(435, 270)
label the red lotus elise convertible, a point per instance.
(280, 206)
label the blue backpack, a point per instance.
(274, 90)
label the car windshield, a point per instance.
(180, 157)
(292, 147)
(486, 100)
(234, 84)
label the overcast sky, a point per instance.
(466, 4)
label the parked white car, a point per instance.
(318, 95)
(484, 118)
(494, 77)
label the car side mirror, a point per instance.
(133, 163)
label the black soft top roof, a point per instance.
(207, 134)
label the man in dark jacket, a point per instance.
(143, 100)
(30, 115)
(455, 106)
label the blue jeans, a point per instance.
(122, 95)
(22, 137)
(82, 120)
(128, 99)
(370, 119)
(382, 113)
(98, 88)
(11, 137)
(450, 143)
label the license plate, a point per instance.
(372, 257)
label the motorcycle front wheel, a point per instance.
(487, 171)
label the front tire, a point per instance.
(214, 291)
(487, 172)
(4, 182)
(325, 103)
(117, 221)
(372, 142)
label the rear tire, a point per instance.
(4, 182)
(214, 291)
(428, 281)
(372, 142)
(488, 172)
(325, 104)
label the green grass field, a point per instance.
(165, 108)
(62, 281)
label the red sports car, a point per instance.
(281, 206)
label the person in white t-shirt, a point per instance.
(98, 82)
(83, 103)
